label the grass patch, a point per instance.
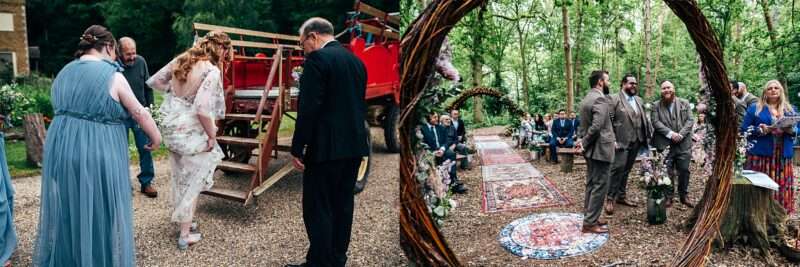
(287, 125)
(17, 160)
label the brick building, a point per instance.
(14, 36)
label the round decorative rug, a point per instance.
(549, 236)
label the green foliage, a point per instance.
(609, 35)
(233, 13)
(149, 22)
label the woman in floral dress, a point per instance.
(772, 149)
(194, 101)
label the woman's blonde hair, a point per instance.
(207, 48)
(783, 102)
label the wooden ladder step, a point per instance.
(246, 117)
(236, 167)
(229, 194)
(241, 141)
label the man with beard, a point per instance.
(632, 131)
(135, 71)
(745, 96)
(672, 123)
(597, 144)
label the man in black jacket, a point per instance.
(461, 134)
(329, 140)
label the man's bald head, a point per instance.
(127, 48)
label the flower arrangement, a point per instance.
(435, 181)
(156, 113)
(742, 145)
(296, 73)
(656, 177)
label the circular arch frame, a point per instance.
(422, 241)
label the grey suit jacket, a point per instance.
(622, 116)
(663, 123)
(595, 129)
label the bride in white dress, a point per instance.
(194, 100)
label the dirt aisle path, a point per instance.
(473, 234)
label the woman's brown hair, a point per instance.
(207, 48)
(94, 37)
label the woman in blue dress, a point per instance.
(85, 217)
(8, 235)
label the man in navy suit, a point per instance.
(562, 131)
(435, 136)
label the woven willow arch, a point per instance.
(422, 241)
(486, 91)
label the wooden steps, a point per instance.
(236, 167)
(246, 117)
(235, 195)
(240, 141)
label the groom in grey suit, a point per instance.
(632, 130)
(672, 122)
(597, 143)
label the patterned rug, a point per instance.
(510, 182)
(549, 236)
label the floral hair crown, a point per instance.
(89, 38)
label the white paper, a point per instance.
(786, 122)
(761, 180)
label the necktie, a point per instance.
(632, 101)
(435, 136)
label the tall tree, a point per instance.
(578, 41)
(773, 38)
(477, 61)
(647, 75)
(567, 56)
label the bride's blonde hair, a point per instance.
(207, 48)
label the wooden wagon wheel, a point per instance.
(422, 241)
(240, 154)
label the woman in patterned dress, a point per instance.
(772, 150)
(193, 102)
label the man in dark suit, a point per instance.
(632, 131)
(597, 144)
(461, 134)
(672, 124)
(435, 136)
(329, 140)
(562, 132)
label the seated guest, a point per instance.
(538, 123)
(461, 138)
(562, 134)
(772, 147)
(435, 136)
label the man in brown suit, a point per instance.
(632, 130)
(672, 122)
(597, 143)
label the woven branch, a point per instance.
(698, 244)
(486, 91)
(421, 240)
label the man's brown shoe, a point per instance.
(594, 229)
(625, 202)
(609, 207)
(149, 191)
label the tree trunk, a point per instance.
(773, 36)
(577, 51)
(567, 57)
(477, 64)
(34, 137)
(659, 44)
(755, 219)
(647, 75)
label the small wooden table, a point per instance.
(566, 156)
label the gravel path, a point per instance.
(269, 232)
(473, 234)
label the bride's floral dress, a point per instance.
(183, 134)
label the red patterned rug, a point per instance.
(510, 182)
